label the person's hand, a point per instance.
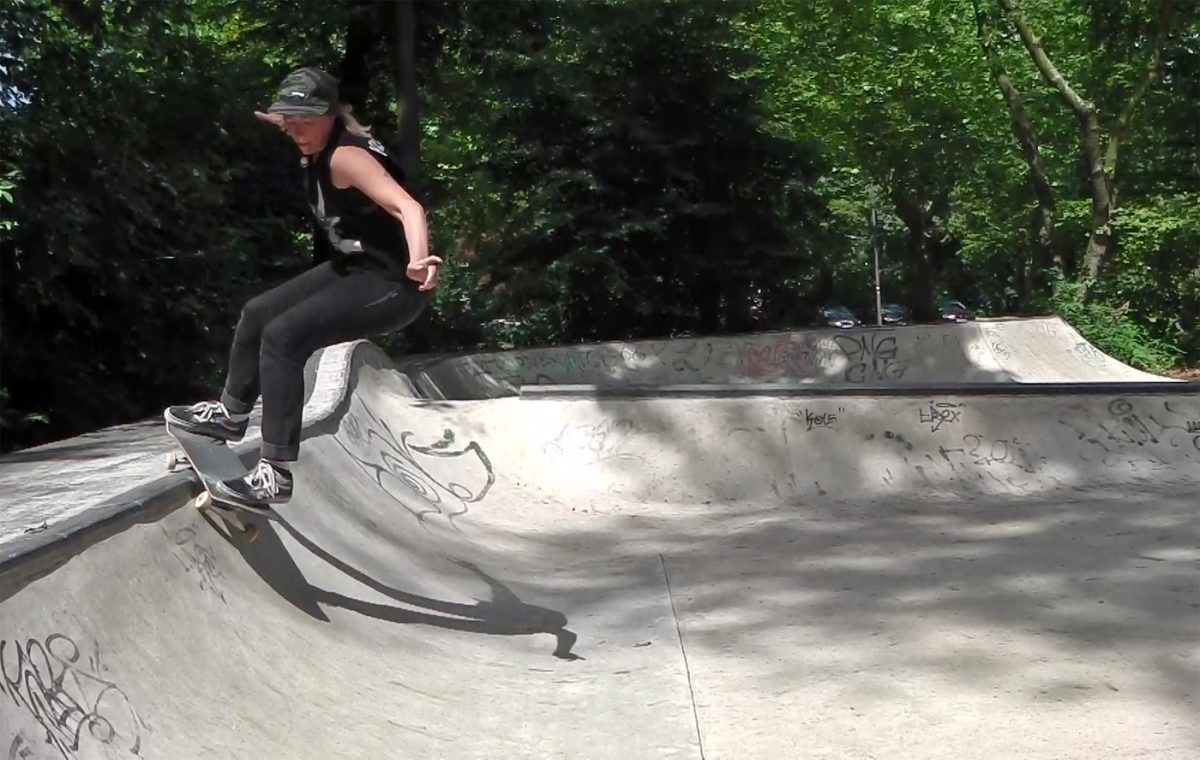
(424, 271)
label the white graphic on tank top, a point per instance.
(377, 146)
(330, 223)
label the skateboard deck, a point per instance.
(213, 461)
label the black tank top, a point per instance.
(360, 233)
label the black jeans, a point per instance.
(281, 328)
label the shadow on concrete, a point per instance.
(505, 614)
(1053, 552)
(1078, 569)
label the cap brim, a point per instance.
(286, 108)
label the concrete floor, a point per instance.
(709, 577)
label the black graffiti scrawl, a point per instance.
(199, 559)
(440, 477)
(873, 357)
(940, 413)
(67, 696)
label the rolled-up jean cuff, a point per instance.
(236, 406)
(277, 453)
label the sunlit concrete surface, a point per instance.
(712, 576)
(1040, 350)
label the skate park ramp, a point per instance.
(726, 573)
(1038, 350)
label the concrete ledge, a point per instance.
(778, 390)
(38, 552)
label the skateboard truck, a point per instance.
(205, 501)
(211, 462)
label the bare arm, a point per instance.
(353, 167)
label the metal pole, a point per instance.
(878, 296)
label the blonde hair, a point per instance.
(353, 125)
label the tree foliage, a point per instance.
(592, 171)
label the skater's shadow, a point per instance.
(504, 615)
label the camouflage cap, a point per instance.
(306, 92)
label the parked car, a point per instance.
(839, 316)
(955, 311)
(895, 315)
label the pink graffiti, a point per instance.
(782, 356)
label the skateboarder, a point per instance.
(378, 278)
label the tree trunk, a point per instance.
(737, 305)
(707, 281)
(914, 210)
(406, 85)
(1138, 96)
(1101, 244)
(1041, 251)
(354, 73)
(708, 302)
(1101, 164)
(421, 331)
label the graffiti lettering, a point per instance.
(998, 346)
(607, 439)
(199, 559)
(70, 702)
(872, 357)
(19, 749)
(1131, 428)
(1132, 434)
(688, 359)
(421, 471)
(1089, 354)
(793, 356)
(940, 413)
(546, 366)
(603, 441)
(978, 451)
(783, 356)
(854, 359)
(826, 356)
(1178, 435)
(821, 420)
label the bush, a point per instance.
(1111, 328)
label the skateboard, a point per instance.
(213, 461)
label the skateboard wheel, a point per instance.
(203, 500)
(252, 532)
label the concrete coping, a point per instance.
(743, 390)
